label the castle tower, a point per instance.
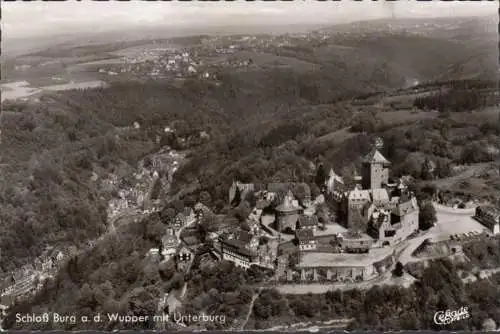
(375, 168)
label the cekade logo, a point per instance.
(448, 316)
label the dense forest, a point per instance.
(390, 307)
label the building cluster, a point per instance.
(30, 277)
(372, 216)
(173, 248)
(158, 62)
(386, 211)
(138, 191)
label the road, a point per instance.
(450, 221)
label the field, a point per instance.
(23, 89)
(401, 117)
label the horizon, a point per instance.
(50, 18)
(55, 23)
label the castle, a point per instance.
(387, 212)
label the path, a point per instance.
(250, 308)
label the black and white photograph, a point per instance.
(250, 166)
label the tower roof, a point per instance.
(375, 157)
(287, 204)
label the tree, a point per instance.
(167, 214)
(398, 270)
(321, 176)
(243, 211)
(237, 197)
(322, 213)
(205, 198)
(426, 170)
(427, 216)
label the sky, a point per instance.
(32, 19)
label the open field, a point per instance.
(23, 89)
(338, 136)
(400, 117)
(276, 61)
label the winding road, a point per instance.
(449, 221)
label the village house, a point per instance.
(180, 220)
(354, 242)
(334, 183)
(189, 215)
(201, 210)
(306, 222)
(489, 216)
(184, 259)
(154, 254)
(306, 240)
(239, 248)
(169, 244)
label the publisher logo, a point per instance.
(449, 316)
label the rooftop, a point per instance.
(317, 259)
(288, 205)
(305, 235)
(375, 157)
(238, 246)
(305, 220)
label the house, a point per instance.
(306, 222)
(169, 243)
(154, 254)
(201, 209)
(239, 248)
(489, 216)
(184, 259)
(355, 243)
(180, 220)
(306, 240)
(190, 215)
(334, 183)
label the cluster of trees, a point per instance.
(426, 216)
(112, 277)
(388, 308)
(222, 290)
(455, 100)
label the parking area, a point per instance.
(456, 225)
